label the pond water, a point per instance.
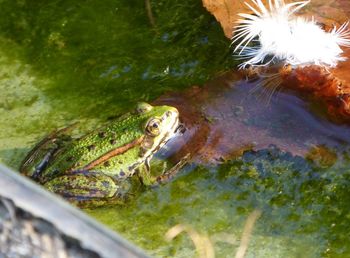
(67, 61)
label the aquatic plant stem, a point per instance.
(247, 232)
(150, 13)
(202, 243)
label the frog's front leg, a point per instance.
(149, 179)
(86, 188)
(170, 173)
(144, 172)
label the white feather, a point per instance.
(283, 37)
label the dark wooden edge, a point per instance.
(72, 222)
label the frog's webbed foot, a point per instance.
(89, 189)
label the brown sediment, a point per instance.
(330, 89)
(322, 86)
(223, 118)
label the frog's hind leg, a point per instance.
(38, 158)
(88, 189)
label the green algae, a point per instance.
(108, 54)
(296, 197)
(63, 61)
(87, 61)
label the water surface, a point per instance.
(66, 61)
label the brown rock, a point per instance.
(329, 12)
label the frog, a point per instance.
(96, 168)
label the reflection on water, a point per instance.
(226, 116)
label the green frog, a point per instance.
(95, 169)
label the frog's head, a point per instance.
(160, 125)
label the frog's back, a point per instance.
(82, 152)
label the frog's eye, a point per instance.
(153, 127)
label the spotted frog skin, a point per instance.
(93, 169)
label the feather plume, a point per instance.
(275, 34)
